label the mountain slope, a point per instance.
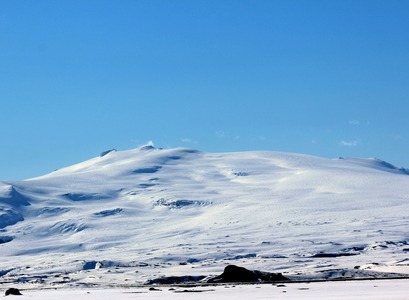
(176, 211)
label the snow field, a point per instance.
(147, 212)
(352, 290)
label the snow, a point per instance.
(125, 217)
(352, 290)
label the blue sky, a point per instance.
(327, 78)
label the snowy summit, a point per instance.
(127, 217)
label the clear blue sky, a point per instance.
(327, 78)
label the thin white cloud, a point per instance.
(188, 141)
(354, 122)
(353, 143)
(221, 134)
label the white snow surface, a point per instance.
(125, 217)
(351, 290)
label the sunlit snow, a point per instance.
(125, 217)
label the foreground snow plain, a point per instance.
(352, 290)
(126, 217)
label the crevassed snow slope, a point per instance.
(128, 216)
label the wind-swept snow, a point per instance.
(144, 213)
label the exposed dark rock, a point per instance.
(4, 272)
(180, 203)
(175, 279)
(355, 248)
(107, 152)
(153, 169)
(320, 255)
(109, 212)
(250, 255)
(194, 291)
(12, 291)
(234, 273)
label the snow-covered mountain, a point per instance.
(128, 216)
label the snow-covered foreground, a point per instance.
(351, 290)
(126, 217)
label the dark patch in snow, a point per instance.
(272, 256)
(191, 151)
(180, 203)
(387, 244)
(194, 291)
(4, 272)
(351, 251)
(378, 164)
(82, 197)
(15, 198)
(5, 239)
(63, 227)
(321, 255)
(250, 255)
(342, 274)
(32, 279)
(355, 248)
(107, 152)
(403, 262)
(175, 279)
(9, 217)
(174, 157)
(153, 169)
(91, 265)
(109, 212)
(389, 166)
(189, 261)
(147, 147)
(239, 173)
(52, 211)
(146, 185)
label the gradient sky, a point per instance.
(327, 78)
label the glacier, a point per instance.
(125, 217)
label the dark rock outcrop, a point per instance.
(237, 274)
(323, 255)
(175, 279)
(12, 291)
